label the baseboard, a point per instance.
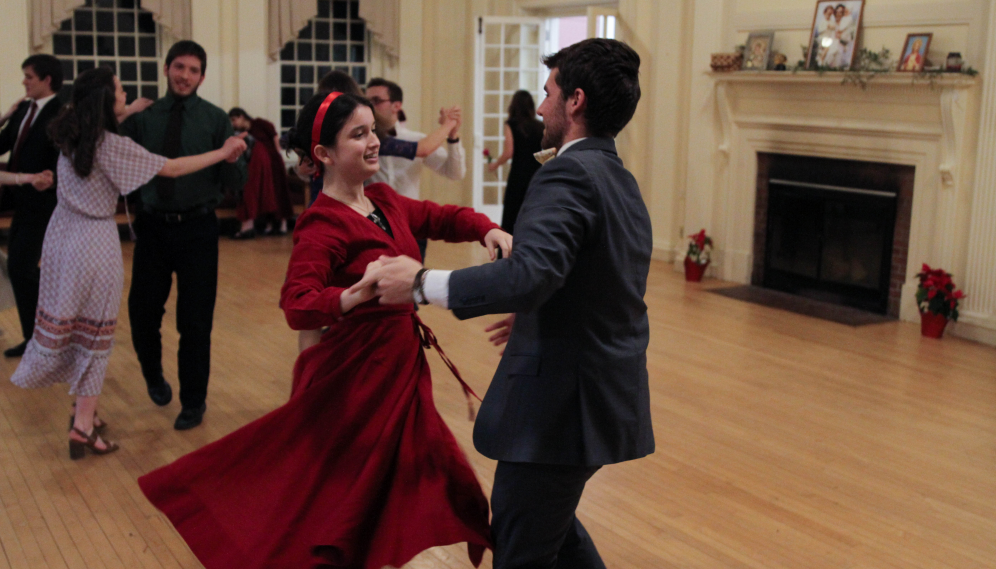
(977, 328)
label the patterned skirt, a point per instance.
(82, 275)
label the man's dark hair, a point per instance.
(608, 71)
(239, 112)
(340, 81)
(187, 47)
(394, 92)
(45, 65)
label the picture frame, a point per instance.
(913, 57)
(834, 35)
(757, 51)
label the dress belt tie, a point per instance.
(428, 340)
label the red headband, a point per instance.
(316, 129)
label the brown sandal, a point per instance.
(77, 449)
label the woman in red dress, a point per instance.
(266, 192)
(358, 469)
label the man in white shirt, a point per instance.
(403, 174)
(31, 151)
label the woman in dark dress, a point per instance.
(358, 470)
(266, 192)
(523, 135)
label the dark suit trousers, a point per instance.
(27, 234)
(533, 521)
(189, 249)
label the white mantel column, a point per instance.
(978, 311)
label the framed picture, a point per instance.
(914, 54)
(834, 34)
(757, 51)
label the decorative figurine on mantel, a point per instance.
(780, 60)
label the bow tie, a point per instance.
(544, 156)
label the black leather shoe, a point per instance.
(161, 393)
(17, 351)
(190, 418)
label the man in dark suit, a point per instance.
(571, 393)
(31, 151)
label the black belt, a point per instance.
(178, 216)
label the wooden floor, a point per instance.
(782, 441)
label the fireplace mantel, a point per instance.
(895, 118)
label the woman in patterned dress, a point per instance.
(82, 272)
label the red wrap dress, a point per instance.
(358, 469)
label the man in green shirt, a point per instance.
(178, 232)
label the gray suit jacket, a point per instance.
(572, 387)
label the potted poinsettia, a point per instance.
(698, 255)
(937, 298)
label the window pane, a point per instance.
(84, 20)
(287, 53)
(67, 25)
(62, 44)
(113, 66)
(360, 74)
(84, 45)
(84, 65)
(354, 10)
(147, 46)
(357, 31)
(126, 21)
(105, 3)
(288, 74)
(340, 9)
(340, 31)
(129, 71)
(356, 53)
(323, 70)
(131, 91)
(129, 4)
(150, 92)
(287, 96)
(146, 24)
(105, 22)
(305, 95)
(67, 70)
(150, 70)
(322, 52)
(105, 45)
(303, 51)
(339, 52)
(306, 74)
(321, 30)
(126, 46)
(287, 117)
(305, 33)
(323, 8)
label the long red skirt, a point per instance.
(357, 470)
(266, 190)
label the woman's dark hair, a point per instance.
(608, 71)
(339, 81)
(522, 113)
(239, 112)
(335, 118)
(81, 124)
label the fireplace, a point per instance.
(833, 230)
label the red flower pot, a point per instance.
(932, 325)
(693, 270)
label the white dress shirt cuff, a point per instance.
(437, 287)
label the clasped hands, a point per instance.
(391, 278)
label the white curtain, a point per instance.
(287, 17)
(383, 18)
(47, 16)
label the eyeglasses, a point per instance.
(377, 100)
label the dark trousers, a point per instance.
(27, 234)
(189, 249)
(533, 521)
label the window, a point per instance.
(115, 33)
(334, 39)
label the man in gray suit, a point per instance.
(571, 393)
